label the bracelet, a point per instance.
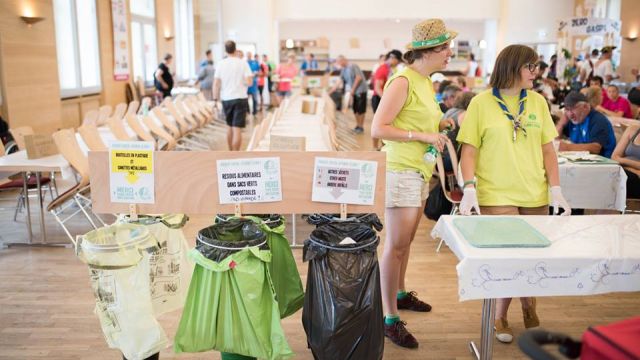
(410, 135)
(469, 182)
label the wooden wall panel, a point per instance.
(164, 25)
(630, 51)
(29, 72)
(113, 92)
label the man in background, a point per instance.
(231, 80)
(355, 84)
(205, 77)
(604, 66)
(309, 63)
(587, 129)
(252, 91)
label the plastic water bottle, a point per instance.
(431, 154)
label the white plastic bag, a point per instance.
(169, 269)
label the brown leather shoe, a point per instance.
(399, 335)
(504, 333)
(529, 315)
(411, 302)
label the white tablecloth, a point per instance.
(588, 255)
(594, 186)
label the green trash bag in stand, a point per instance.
(231, 304)
(283, 269)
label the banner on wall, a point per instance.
(121, 62)
(580, 35)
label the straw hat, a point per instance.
(430, 33)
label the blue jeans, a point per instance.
(255, 100)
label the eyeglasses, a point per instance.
(532, 66)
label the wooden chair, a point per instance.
(185, 125)
(451, 193)
(133, 107)
(119, 111)
(160, 115)
(103, 114)
(91, 137)
(137, 128)
(19, 133)
(90, 117)
(117, 128)
(68, 146)
(160, 132)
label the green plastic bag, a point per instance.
(231, 305)
(282, 268)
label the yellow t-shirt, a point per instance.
(508, 172)
(420, 113)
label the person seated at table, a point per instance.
(598, 82)
(615, 105)
(627, 153)
(449, 95)
(593, 95)
(587, 129)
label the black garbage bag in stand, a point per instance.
(342, 313)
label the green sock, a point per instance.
(391, 319)
(401, 294)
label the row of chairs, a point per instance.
(188, 123)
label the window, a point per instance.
(77, 47)
(143, 39)
(185, 53)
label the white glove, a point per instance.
(469, 201)
(558, 200)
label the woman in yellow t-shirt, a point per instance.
(408, 120)
(507, 138)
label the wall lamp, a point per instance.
(30, 20)
(631, 38)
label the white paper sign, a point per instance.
(249, 180)
(121, 63)
(131, 172)
(344, 181)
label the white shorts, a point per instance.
(406, 188)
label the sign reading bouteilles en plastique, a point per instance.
(131, 178)
(249, 180)
(344, 181)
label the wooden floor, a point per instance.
(46, 303)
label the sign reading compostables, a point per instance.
(249, 180)
(344, 181)
(131, 172)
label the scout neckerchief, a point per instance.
(517, 122)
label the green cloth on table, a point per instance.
(499, 232)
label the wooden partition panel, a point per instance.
(187, 182)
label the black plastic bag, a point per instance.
(218, 241)
(437, 204)
(369, 219)
(342, 314)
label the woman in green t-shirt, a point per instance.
(408, 120)
(507, 138)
